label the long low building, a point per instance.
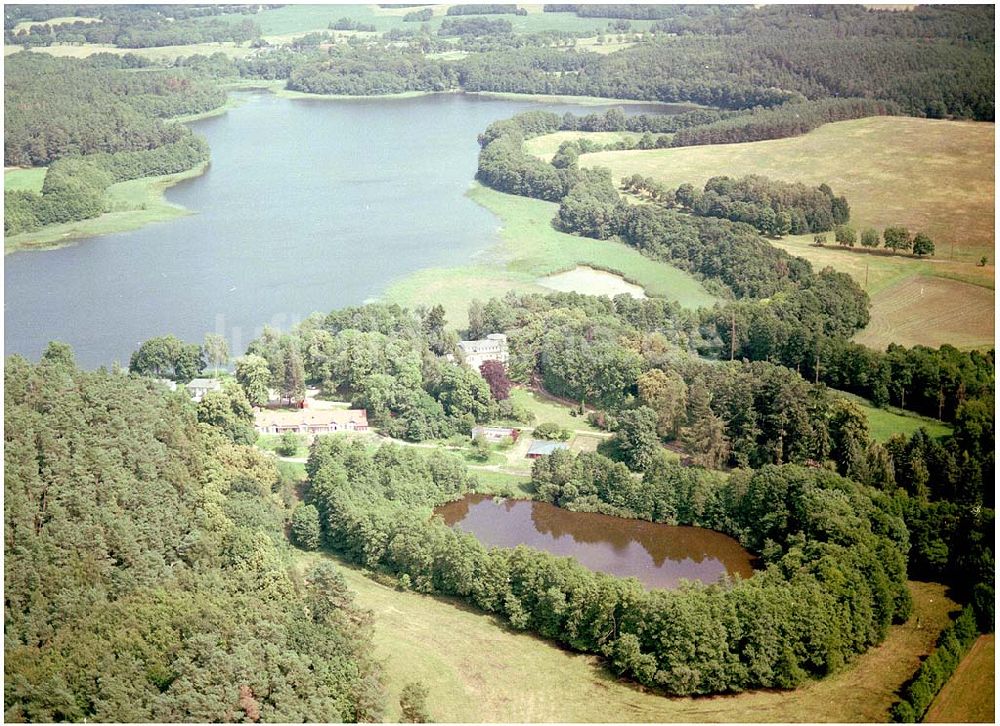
(311, 421)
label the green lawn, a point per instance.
(133, 203)
(531, 248)
(269, 442)
(884, 422)
(504, 484)
(24, 180)
(549, 411)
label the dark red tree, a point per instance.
(495, 374)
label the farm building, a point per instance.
(308, 421)
(200, 386)
(539, 449)
(477, 352)
(495, 434)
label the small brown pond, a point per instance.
(658, 555)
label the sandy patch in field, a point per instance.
(588, 281)
(930, 311)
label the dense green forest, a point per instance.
(147, 576)
(94, 123)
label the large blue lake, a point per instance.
(308, 205)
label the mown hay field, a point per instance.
(479, 670)
(924, 174)
(969, 695)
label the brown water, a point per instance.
(658, 555)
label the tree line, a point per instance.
(850, 570)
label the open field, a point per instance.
(167, 53)
(64, 20)
(27, 180)
(545, 147)
(589, 281)
(134, 203)
(930, 311)
(531, 248)
(969, 695)
(884, 422)
(477, 669)
(935, 176)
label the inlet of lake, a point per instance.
(658, 555)
(308, 205)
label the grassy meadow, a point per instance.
(531, 248)
(29, 179)
(935, 176)
(165, 54)
(884, 422)
(477, 669)
(969, 695)
(133, 204)
(545, 147)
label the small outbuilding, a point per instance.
(198, 387)
(495, 434)
(538, 449)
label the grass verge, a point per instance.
(531, 248)
(136, 203)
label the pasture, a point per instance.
(545, 147)
(478, 669)
(969, 695)
(163, 54)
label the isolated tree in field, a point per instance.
(495, 374)
(845, 235)
(413, 703)
(480, 448)
(922, 245)
(217, 350)
(254, 375)
(870, 238)
(819, 239)
(305, 527)
(897, 238)
(293, 384)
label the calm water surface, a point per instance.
(308, 205)
(657, 554)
